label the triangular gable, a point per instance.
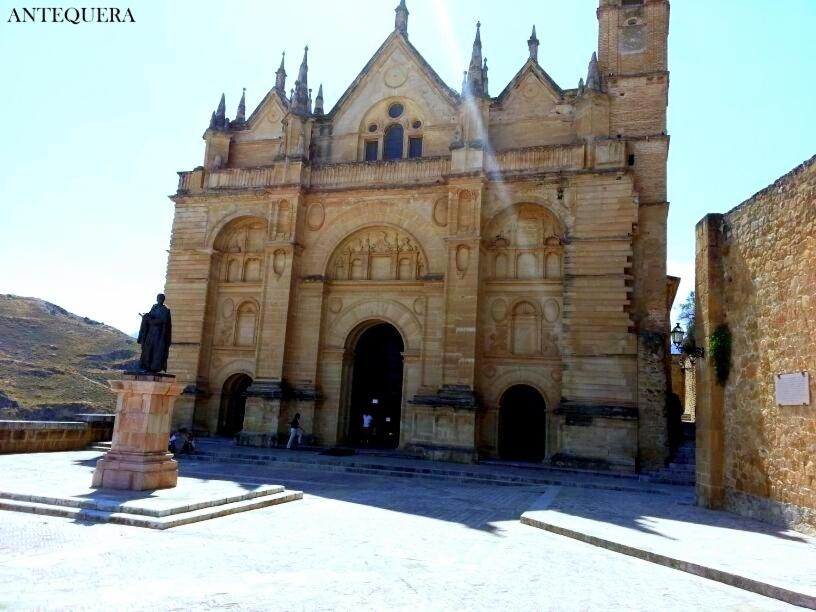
(273, 96)
(449, 94)
(531, 67)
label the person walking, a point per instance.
(365, 435)
(295, 431)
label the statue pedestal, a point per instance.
(138, 459)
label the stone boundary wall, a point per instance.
(756, 272)
(44, 436)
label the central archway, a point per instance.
(376, 386)
(233, 404)
(522, 424)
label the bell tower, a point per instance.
(633, 38)
(633, 70)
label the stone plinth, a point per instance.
(138, 459)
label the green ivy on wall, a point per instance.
(720, 343)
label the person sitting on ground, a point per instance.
(295, 431)
(189, 444)
(171, 446)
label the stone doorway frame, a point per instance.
(545, 447)
(227, 396)
(347, 379)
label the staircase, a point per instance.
(681, 470)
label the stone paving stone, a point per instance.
(353, 543)
(720, 545)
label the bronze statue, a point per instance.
(154, 336)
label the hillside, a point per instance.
(54, 364)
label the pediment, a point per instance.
(531, 87)
(396, 70)
(265, 121)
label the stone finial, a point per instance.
(484, 78)
(464, 83)
(280, 76)
(476, 70)
(219, 119)
(581, 86)
(401, 19)
(240, 115)
(532, 45)
(593, 81)
(301, 96)
(318, 109)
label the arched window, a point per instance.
(392, 143)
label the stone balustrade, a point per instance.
(424, 171)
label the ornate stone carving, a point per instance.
(419, 305)
(462, 259)
(552, 311)
(316, 216)
(279, 262)
(498, 310)
(377, 254)
(242, 243)
(525, 243)
(335, 305)
(440, 212)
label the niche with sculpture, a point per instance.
(525, 243)
(377, 254)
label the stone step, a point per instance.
(427, 470)
(671, 477)
(100, 504)
(150, 522)
(682, 467)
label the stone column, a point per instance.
(138, 459)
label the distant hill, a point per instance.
(54, 364)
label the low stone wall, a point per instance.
(44, 436)
(755, 274)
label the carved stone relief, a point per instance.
(316, 216)
(380, 253)
(440, 212)
(243, 246)
(524, 243)
(335, 305)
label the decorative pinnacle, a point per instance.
(318, 108)
(240, 115)
(593, 74)
(532, 45)
(280, 76)
(401, 19)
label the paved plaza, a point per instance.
(353, 542)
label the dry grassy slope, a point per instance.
(54, 364)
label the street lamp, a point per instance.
(692, 353)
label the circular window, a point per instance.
(372, 127)
(395, 110)
(416, 124)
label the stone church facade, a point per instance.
(483, 275)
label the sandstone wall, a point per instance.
(756, 273)
(43, 436)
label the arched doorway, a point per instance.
(522, 424)
(376, 387)
(233, 404)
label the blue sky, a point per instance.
(99, 117)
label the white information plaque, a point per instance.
(793, 389)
